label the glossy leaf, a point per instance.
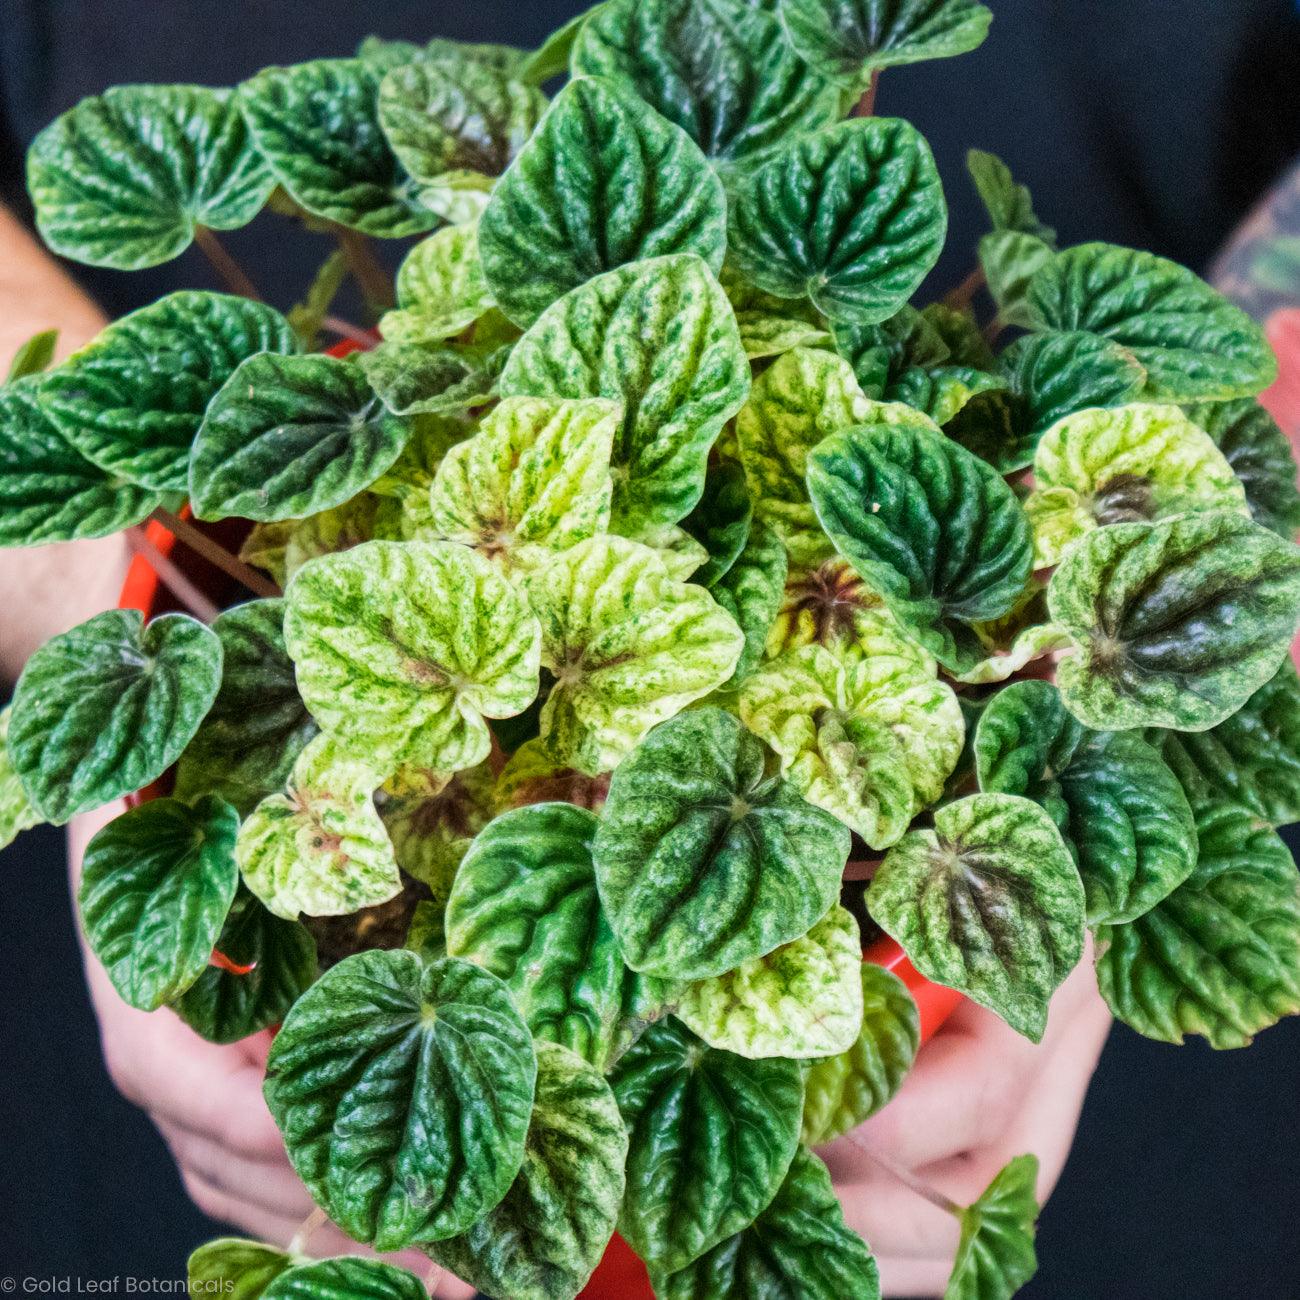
(851, 215)
(705, 860)
(751, 592)
(931, 528)
(604, 181)
(404, 1092)
(987, 902)
(1028, 644)
(49, 491)
(1008, 204)
(402, 650)
(995, 1256)
(882, 351)
(533, 481)
(33, 357)
(236, 1268)
(660, 337)
(346, 1278)
(1177, 623)
(1193, 342)
(123, 178)
(721, 521)
(102, 710)
(770, 325)
(721, 70)
(798, 1246)
(157, 884)
(133, 399)
(629, 645)
(684, 1196)
(440, 288)
(546, 1237)
(944, 392)
(843, 1091)
(317, 126)
(420, 378)
(16, 811)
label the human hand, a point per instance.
(978, 1095)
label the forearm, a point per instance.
(46, 589)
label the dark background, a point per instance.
(1156, 123)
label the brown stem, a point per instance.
(962, 296)
(201, 544)
(376, 286)
(866, 106)
(907, 1178)
(233, 276)
(172, 578)
(343, 329)
(993, 330)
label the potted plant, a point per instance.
(660, 610)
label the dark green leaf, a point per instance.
(686, 1191)
(798, 1246)
(943, 393)
(1192, 341)
(156, 888)
(104, 709)
(603, 182)
(403, 1092)
(1220, 957)
(931, 528)
(1177, 623)
(133, 399)
(721, 521)
(426, 379)
(241, 1270)
(852, 215)
(123, 178)
(703, 858)
(317, 126)
(291, 436)
(258, 724)
(721, 69)
(546, 1237)
(1009, 205)
(995, 1257)
(881, 352)
(751, 591)
(988, 902)
(346, 1278)
(34, 356)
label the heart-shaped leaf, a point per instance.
(440, 288)
(1252, 757)
(562, 966)
(1193, 342)
(851, 215)
(258, 724)
(684, 1196)
(546, 1237)
(321, 847)
(403, 1091)
(402, 649)
(770, 325)
(995, 1256)
(802, 1000)
(933, 529)
(1177, 623)
(236, 1268)
(1009, 205)
(721, 521)
(1120, 810)
(317, 126)
(848, 40)
(1124, 466)
(16, 811)
(629, 645)
(660, 337)
(843, 1091)
(1260, 456)
(750, 591)
(987, 902)
(722, 70)
(133, 399)
(798, 1246)
(1220, 957)
(455, 124)
(429, 379)
(532, 776)
(49, 492)
(346, 1278)
(123, 179)
(533, 481)
(603, 182)
(290, 436)
(102, 710)
(703, 859)
(157, 885)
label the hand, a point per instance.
(978, 1095)
(207, 1102)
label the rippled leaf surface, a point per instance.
(421, 378)
(721, 521)
(995, 1257)
(403, 1091)
(770, 325)
(987, 902)
(751, 591)
(346, 1278)
(532, 776)
(440, 288)
(703, 858)
(236, 1268)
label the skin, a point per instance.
(978, 1095)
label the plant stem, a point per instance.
(907, 1178)
(964, 293)
(306, 1229)
(866, 106)
(201, 544)
(432, 1276)
(376, 286)
(343, 329)
(173, 579)
(233, 276)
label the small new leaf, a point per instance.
(995, 1256)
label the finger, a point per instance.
(253, 1220)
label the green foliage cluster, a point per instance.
(661, 557)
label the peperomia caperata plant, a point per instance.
(656, 560)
